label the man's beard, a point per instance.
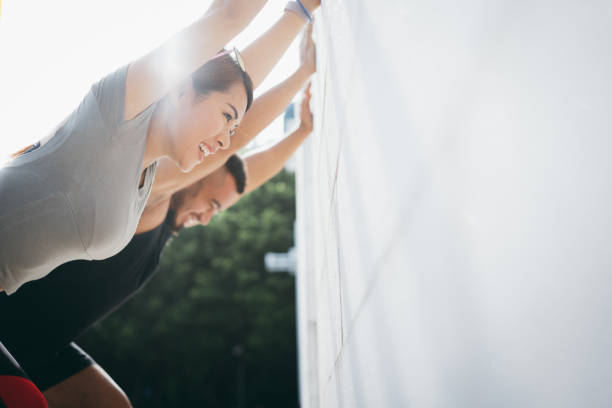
(170, 221)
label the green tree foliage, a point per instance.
(213, 328)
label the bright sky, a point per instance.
(52, 51)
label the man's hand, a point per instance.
(305, 113)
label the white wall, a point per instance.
(454, 206)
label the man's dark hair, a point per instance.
(235, 166)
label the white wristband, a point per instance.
(294, 7)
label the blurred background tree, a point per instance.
(212, 328)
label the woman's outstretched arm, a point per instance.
(169, 179)
(265, 52)
(152, 76)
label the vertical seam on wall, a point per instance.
(339, 255)
(338, 246)
(323, 116)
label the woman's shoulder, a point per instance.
(109, 93)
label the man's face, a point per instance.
(198, 203)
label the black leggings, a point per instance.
(16, 389)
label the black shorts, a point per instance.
(66, 363)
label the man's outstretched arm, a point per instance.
(263, 165)
(260, 167)
(265, 109)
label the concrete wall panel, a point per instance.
(454, 220)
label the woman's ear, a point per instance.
(185, 88)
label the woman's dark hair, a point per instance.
(219, 74)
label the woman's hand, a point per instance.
(308, 54)
(305, 113)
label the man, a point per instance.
(39, 325)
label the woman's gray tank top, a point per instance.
(77, 196)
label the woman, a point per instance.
(80, 193)
(267, 107)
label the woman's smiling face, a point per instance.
(203, 124)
